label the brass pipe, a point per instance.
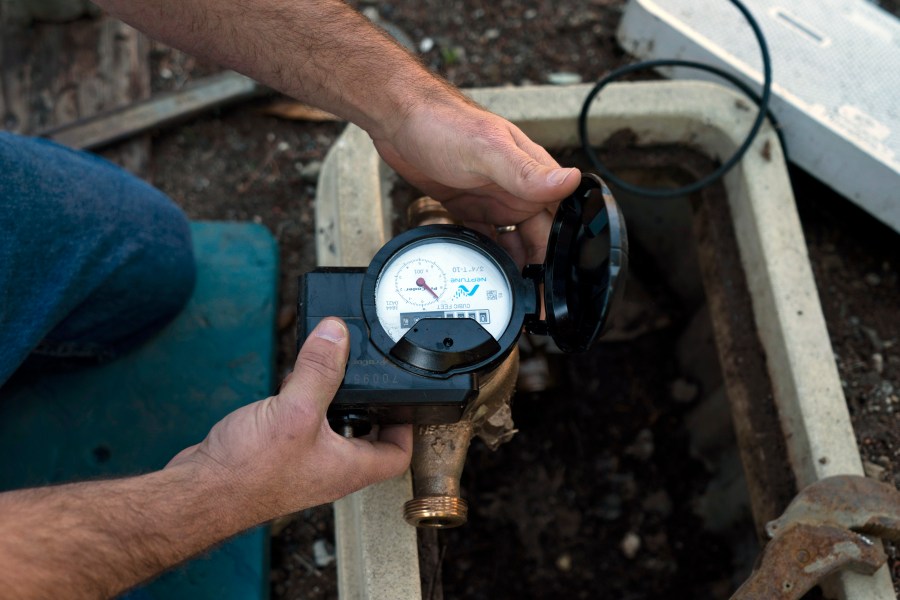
(439, 451)
(439, 454)
(428, 211)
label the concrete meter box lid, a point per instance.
(836, 70)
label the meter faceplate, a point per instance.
(447, 336)
(442, 277)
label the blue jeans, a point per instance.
(93, 261)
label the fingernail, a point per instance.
(558, 176)
(331, 330)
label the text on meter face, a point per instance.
(442, 279)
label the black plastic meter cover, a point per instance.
(585, 269)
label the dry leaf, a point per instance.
(297, 111)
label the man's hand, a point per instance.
(98, 538)
(281, 454)
(482, 167)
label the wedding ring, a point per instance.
(506, 229)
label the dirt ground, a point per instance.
(595, 496)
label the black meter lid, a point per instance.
(585, 269)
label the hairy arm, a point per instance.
(95, 539)
(484, 169)
(320, 51)
(267, 459)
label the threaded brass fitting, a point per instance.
(439, 512)
(428, 211)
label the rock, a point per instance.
(581, 18)
(426, 45)
(563, 78)
(323, 555)
(310, 171)
(878, 363)
(492, 34)
(642, 447)
(534, 374)
(872, 470)
(872, 279)
(630, 544)
(564, 562)
(656, 564)
(683, 390)
(874, 338)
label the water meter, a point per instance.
(441, 305)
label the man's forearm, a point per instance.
(321, 51)
(95, 539)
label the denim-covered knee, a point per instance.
(95, 259)
(144, 272)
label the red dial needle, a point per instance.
(421, 283)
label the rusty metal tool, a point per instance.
(825, 529)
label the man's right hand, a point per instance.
(483, 168)
(280, 453)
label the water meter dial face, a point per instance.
(442, 278)
(420, 282)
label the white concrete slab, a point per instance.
(836, 79)
(377, 555)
